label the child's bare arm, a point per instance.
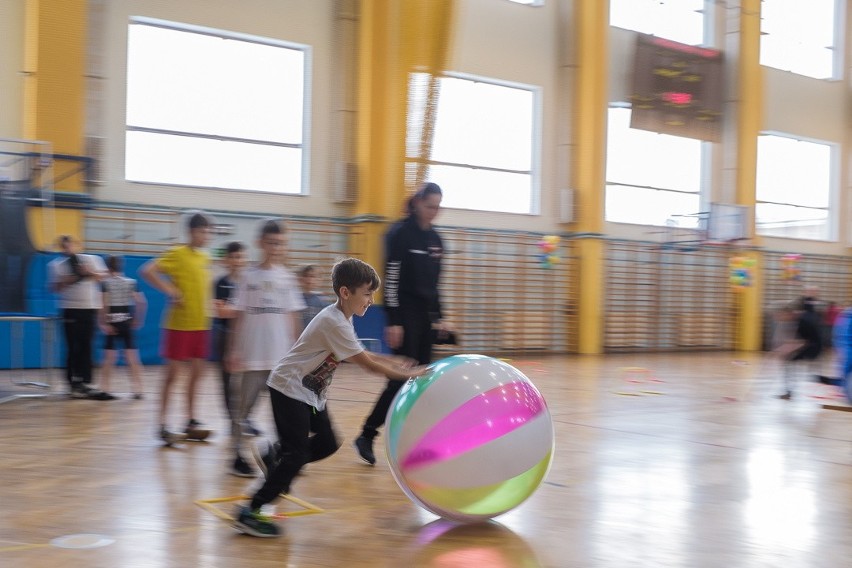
(233, 356)
(141, 309)
(394, 360)
(102, 314)
(296, 323)
(385, 366)
(224, 309)
(151, 273)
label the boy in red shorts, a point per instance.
(183, 274)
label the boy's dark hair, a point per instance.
(305, 270)
(352, 273)
(271, 227)
(234, 246)
(115, 263)
(198, 220)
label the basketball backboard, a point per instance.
(728, 222)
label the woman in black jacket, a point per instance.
(413, 251)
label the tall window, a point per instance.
(801, 37)
(650, 177)
(207, 108)
(678, 20)
(483, 149)
(794, 188)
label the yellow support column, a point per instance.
(380, 146)
(55, 97)
(395, 38)
(589, 166)
(749, 89)
(381, 110)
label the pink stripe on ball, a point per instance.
(507, 407)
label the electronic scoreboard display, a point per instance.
(677, 89)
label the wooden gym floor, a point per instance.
(709, 471)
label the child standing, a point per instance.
(75, 278)
(183, 274)
(298, 387)
(268, 305)
(223, 292)
(123, 312)
(314, 302)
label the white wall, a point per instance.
(11, 65)
(805, 107)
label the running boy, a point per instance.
(298, 387)
(806, 345)
(123, 312)
(268, 321)
(183, 274)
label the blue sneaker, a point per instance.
(255, 523)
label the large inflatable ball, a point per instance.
(471, 440)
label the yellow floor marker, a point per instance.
(210, 506)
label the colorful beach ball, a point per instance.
(470, 441)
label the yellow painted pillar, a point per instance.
(382, 93)
(380, 147)
(55, 69)
(55, 99)
(749, 93)
(394, 39)
(589, 166)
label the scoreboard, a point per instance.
(677, 89)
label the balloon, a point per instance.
(740, 271)
(790, 266)
(547, 246)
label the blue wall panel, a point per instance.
(41, 302)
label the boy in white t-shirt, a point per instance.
(298, 387)
(268, 305)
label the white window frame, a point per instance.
(832, 216)
(535, 158)
(703, 185)
(305, 144)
